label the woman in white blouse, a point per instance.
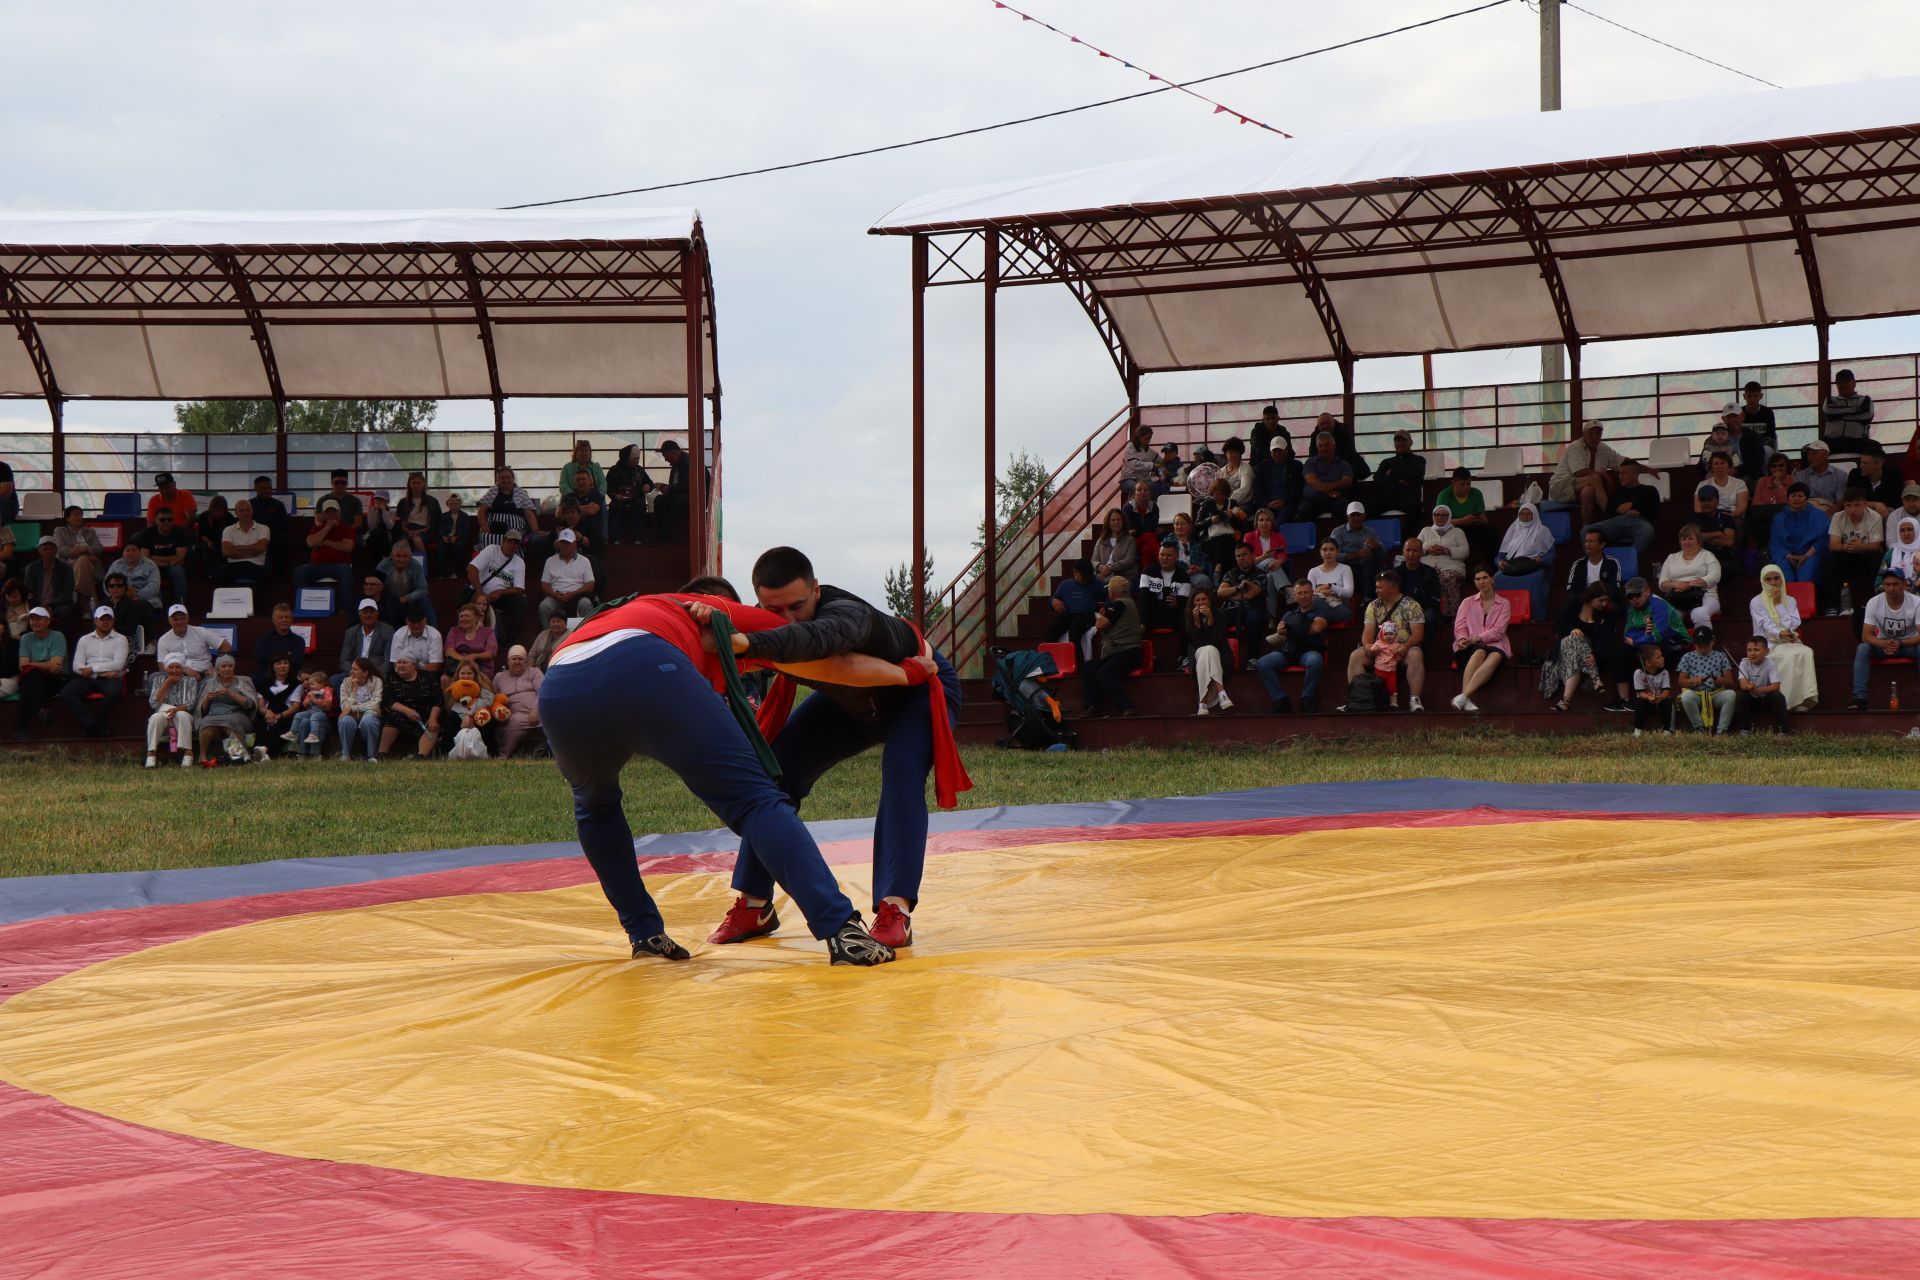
(1731, 489)
(1333, 582)
(1693, 568)
(1443, 544)
(1777, 617)
(1238, 473)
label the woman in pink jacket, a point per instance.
(1480, 641)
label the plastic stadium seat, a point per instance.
(1522, 602)
(122, 504)
(1662, 484)
(307, 632)
(1493, 493)
(1146, 660)
(309, 602)
(1671, 451)
(39, 504)
(26, 537)
(1629, 561)
(1560, 523)
(1175, 504)
(1802, 593)
(1064, 654)
(1385, 528)
(1300, 536)
(1503, 460)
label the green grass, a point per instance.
(78, 814)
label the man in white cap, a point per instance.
(195, 646)
(172, 692)
(99, 666)
(1825, 484)
(566, 581)
(498, 576)
(43, 668)
(370, 638)
(1360, 550)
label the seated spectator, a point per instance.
(1163, 593)
(567, 579)
(1480, 641)
(11, 562)
(1399, 482)
(1526, 553)
(1114, 551)
(132, 616)
(498, 578)
(78, 547)
(416, 519)
(1652, 692)
(1769, 500)
(1881, 482)
(362, 695)
(1775, 616)
(1169, 473)
(1593, 566)
(456, 537)
(16, 597)
(167, 545)
(172, 499)
(1587, 640)
(1238, 473)
(1707, 679)
(582, 463)
(1759, 683)
(1717, 530)
(1583, 474)
(470, 639)
(99, 666)
(278, 640)
(1209, 652)
(206, 555)
(1690, 578)
(379, 526)
(506, 507)
(1800, 538)
(547, 641)
(370, 638)
(520, 682)
(49, 583)
(1269, 557)
(1856, 544)
(1757, 417)
(409, 711)
(352, 515)
(196, 647)
(1903, 549)
(172, 692)
(1241, 598)
(1220, 524)
(1729, 490)
(1299, 640)
(1391, 632)
(1443, 546)
(670, 507)
(1285, 479)
(459, 703)
(140, 573)
(627, 487)
(1825, 484)
(1333, 583)
(330, 548)
(9, 500)
(1419, 580)
(417, 642)
(374, 587)
(1142, 513)
(566, 519)
(1631, 512)
(1328, 479)
(406, 577)
(1891, 629)
(1846, 417)
(1718, 441)
(1075, 601)
(1651, 620)
(244, 547)
(591, 500)
(271, 512)
(1343, 444)
(279, 691)
(227, 706)
(1193, 554)
(312, 715)
(1360, 549)
(1467, 511)
(1120, 635)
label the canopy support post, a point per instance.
(1347, 399)
(29, 335)
(1521, 214)
(484, 321)
(1287, 240)
(1576, 399)
(1796, 210)
(691, 284)
(280, 444)
(229, 265)
(918, 570)
(988, 410)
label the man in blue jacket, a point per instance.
(1799, 536)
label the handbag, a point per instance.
(1518, 566)
(1687, 599)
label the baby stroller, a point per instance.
(1033, 718)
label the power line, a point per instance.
(1008, 124)
(1664, 45)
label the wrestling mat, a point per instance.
(1419, 1029)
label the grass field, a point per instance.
(77, 814)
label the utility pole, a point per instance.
(1552, 368)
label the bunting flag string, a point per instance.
(1219, 108)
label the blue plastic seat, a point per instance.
(121, 504)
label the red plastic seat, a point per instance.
(1065, 656)
(1802, 593)
(1522, 602)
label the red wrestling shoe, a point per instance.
(744, 922)
(892, 926)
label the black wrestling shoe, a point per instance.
(663, 946)
(852, 944)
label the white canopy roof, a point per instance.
(437, 304)
(1611, 222)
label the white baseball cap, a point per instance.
(367, 602)
(566, 535)
(176, 660)
(38, 612)
(104, 611)
(178, 608)
(1356, 508)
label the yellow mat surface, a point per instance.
(1587, 1019)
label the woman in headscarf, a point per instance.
(1443, 544)
(227, 705)
(1903, 549)
(1776, 617)
(1525, 553)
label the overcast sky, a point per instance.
(420, 104)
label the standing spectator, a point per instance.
(1399, 482)
(277, 641)
(520, 682)
(1419, 580)
(1759, 682)
(172, 692)
(1328, 478)
(49, 583)
(1652, 692)
(1581, 476)
(79, 549)
(312, 715)
(1690, 579)
(1262, 434)
(167, 546)
(1758, 417)
(132, 616)
(1115, 551)
(409, 711)
(227, 706)
(405, 576)
(370, 638)
(1332, 582)
(362, 694)
(1593, 566)
(547, 641)
(1343, 443)
(1903, 549)
(1707, 679)
(1856, 543)
(1360, 550)
(1651, 620)
(567, 579)
(1846, 419)
(1285, 479)
(271, 512)
(279, 690)
(506, 508)
(43, 669)
(1769, 500)
(206, 555)
(99, 666)
(196, 647)
(471, 641)
(1480, 641)
(1220, 524)
(1300, 640)
(1749, 448)
(1729, 490)
(170, 498)
(627, 487)
(670, 508)
(347, 502)
(140, 574)
(1136, 459)
(456, 534)
(1120, 634)
(1891, 630)
(1799, 538)
(1242, 598)
(498, 578)
(1392, 625)
(1163, 593)
(582, 461)
(1443, 545)
(1825, 484)
(11, 562)
(1209, 649)
(417, 642)
(1881, 482)
(592, 503)
(1633, 509)
(331, 545)
(244, 547)
(1074, 602)
(417, 517)
(1775, 616)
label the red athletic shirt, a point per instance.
(662, 616)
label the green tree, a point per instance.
(304, 417)
(1019, 497)
(899, 590)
